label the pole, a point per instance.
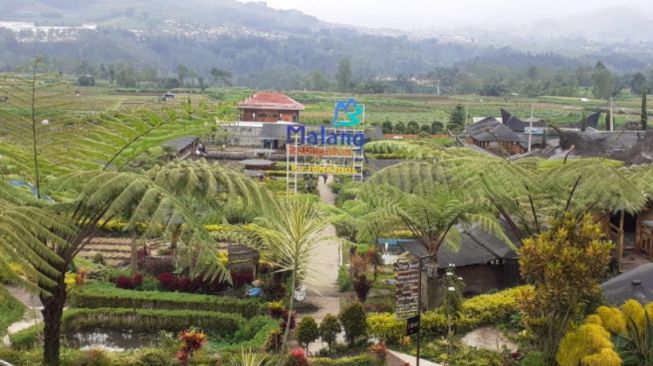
(419, 305)
(530, 131)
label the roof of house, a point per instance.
(516, 124)
(272, 101)
(595, 143)
(491, 130)
(636, 284)
(478, 248)
(591, 121)
(181, 143)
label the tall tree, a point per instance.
(289, 233)
(182, 73)
(638, 83)
(644, 113)
(457, 119)
(603, 82)
(220, 76)
(344, 75)
(563, 286)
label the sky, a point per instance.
(434, 14)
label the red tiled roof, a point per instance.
(271, 100)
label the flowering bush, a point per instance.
(191, 341)
(297, 357)
(386, 327)
(129, 283)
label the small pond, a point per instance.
(110, 339)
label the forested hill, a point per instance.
(259, 46)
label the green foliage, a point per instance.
(93, 358)
(386, 327)
(361, 360)
(105, 295)
(636, 347)
(27, 338)
(148, 319)
(456, 353)
(344, 282)
(11, 309)
(329, 330)
(533, 359)
(307, 331)
(563, 286)
(457, 119)
(353, 320)
(254, 334)
(489, 309)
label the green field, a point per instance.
(423, 109)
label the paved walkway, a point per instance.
(324, 266)
(412, 360)
(32, 315)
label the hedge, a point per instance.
(477, 311)
(26, 338)
(242, 340)
(105, 295)
(146, 320)
(360, 360)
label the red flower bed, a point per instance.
(129, 283)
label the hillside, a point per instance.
(265, 47)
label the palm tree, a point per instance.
(84, 161)
(289, 233)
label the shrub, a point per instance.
(386, 327)
(307, 331)
(191, 341)
(297, 357)
(98, 258)
(362, 287)
(533, 359)
(93, 357)
(586, 341)
(129, 283)
(344, 282)
(102, 295)
(329, 329)
(611, 319)
(360, 360)
(354, 323)
(274, 342)
(255, 334)
(153, 356)
(158, 265)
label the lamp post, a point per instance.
(419, 303)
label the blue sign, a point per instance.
(352, 111)
(324, 137)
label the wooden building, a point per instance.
(270, 107)
(496, 137)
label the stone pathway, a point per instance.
(32, 315)
(489, 338)
(412, 360)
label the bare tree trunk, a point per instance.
(290, 308)
(52, 314)
(134, 254)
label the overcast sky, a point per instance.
(422, 14)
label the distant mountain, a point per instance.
(613, 23)
(269, 48)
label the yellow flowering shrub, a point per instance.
(386, 327)
(606, 357)
(70, 279)
(594, 319)
(633, 310)
(612, 319)
(586, 340)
